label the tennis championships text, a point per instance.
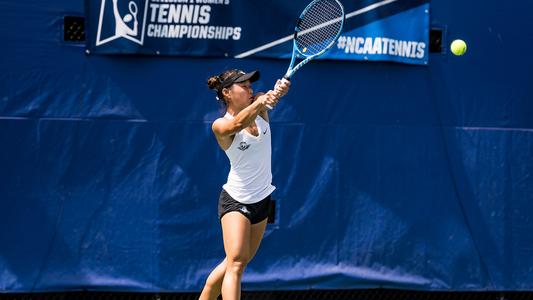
(187, 19)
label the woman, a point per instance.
(244, 134)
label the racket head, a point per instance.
(319, 26)
(316, 31)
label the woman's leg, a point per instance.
(257, 231)
(213, 284)
(236, 230)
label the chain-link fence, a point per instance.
(377, 294)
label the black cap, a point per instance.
(240, 76)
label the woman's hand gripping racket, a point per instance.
(316, 31)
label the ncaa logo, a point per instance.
(122, 19)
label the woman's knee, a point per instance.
(211, 282)
(237, 264)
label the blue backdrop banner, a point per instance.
(387, 175)
(390, 30)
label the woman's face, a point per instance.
(241, 94)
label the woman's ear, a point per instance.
(226, 93)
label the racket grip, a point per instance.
(269, 107)
(285, 79)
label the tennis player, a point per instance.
(244, 134)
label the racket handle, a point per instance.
(269, 107)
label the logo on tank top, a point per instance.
(243, 146)
(265, 132)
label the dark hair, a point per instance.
(215, 83)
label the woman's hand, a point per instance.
(272, 97)
(282, 87)
(269, 99)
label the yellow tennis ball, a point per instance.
(458, 47)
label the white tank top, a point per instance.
(250, 176)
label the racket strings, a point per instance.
(319, 26)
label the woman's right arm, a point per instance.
(227, 128)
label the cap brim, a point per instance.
(251, 76)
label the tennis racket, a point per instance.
(316, 31)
